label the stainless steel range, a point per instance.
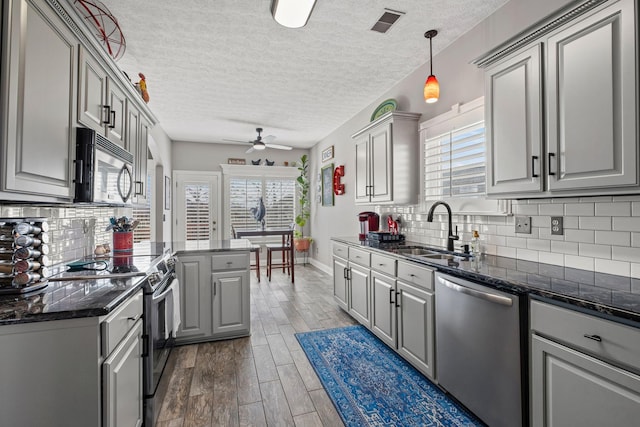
(161, 301)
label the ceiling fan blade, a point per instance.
(278, 146)
(250, 150)
(236, 140)
(268, 139)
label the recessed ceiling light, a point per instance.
(292, 13)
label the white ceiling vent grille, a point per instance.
(388, 18)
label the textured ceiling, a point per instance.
(217, 69)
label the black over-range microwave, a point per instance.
(103, 170)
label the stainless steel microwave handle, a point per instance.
(498, 299)
(126, 196)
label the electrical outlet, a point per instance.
(557, 227)
(523, 224)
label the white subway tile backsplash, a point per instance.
(571, 222)
(613, 267)
(580, 209)
(506, 251)
(617, 238)
(622, 253)
(527, 254)
(635, 208)
(551, 258)
(594, 251)
(580, 236)
(595, 223)
(517, 242)
(635, 240)
(597, 199)
(626, 223)
(551, 209)
(540, 221)
(635, 272)
(579, 262)
(539, 245)
(613, 209)
(526, 209)
(570, 248)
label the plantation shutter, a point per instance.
(279, 201)
(196, 215)
(244, 194)
(454, 163)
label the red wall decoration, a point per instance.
(338, 187)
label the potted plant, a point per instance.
(300, 242)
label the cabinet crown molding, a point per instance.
(393, 115)
(535, 32)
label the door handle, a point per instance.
(213, 283)
(397, 299)
(112, 122)
(533, 167)
(107, 115)
(391, 296)
(498, 299)
(141, 186)
(551, 156)
(593, 337)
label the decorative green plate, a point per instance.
(385, 107)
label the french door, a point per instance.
(197, 208)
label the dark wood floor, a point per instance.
(265, 379)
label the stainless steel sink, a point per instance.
(439, 256)
(415, 251)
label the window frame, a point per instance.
(250, 171)
(460, 116)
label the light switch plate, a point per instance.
(557, 227)
(523, 224)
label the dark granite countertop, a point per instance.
(616, 297)
(207, 246)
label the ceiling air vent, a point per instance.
(388, 18)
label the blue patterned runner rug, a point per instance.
(370, 385)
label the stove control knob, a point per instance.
(154, 278)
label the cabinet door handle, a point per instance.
(139, 184)
(593, 337)
(344, 273)
(391, 296)
(79, 171)
(112, 122)
(213, 283)
(107, 115)
(533, 167)
(551, 156)
(397, 299)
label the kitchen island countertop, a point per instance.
(616, 297)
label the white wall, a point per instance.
(160, 148)
(460, 82)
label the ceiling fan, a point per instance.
(261, 143)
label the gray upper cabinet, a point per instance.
(137, 139)
(387, 152)
(591, 101)
(102, 104)
(37, 107)
(578, 135)
(513, 95)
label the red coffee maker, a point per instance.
(369, 221)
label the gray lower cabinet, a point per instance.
(397, 307)
(358, 293)
(416, 336)
(122, 382)
(214, 296)
(340, 281)
(38, 80)
(82, 372)
(585, 371)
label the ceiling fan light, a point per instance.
(292, 13)
(259, 145)
(431, 90)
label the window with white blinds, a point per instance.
(196, 215)
(454, 163)
(278, 196)
(142, 233)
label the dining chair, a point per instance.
(255, 249)
(285, 250)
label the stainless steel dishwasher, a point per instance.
(481, 349)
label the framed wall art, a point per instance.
(327, 154)
(327, 185)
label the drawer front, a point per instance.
(340, 250)
(116, 326)
(229, 261)
(360, 256)
(415, 275)
(383, 264)
(602, 338)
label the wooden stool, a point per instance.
(285, 249)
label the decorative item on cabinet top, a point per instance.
(384, 107)
(107, 29)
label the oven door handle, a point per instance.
(498, 299)
(163, 295)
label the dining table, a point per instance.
(285, 232)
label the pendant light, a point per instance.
(431, 86)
